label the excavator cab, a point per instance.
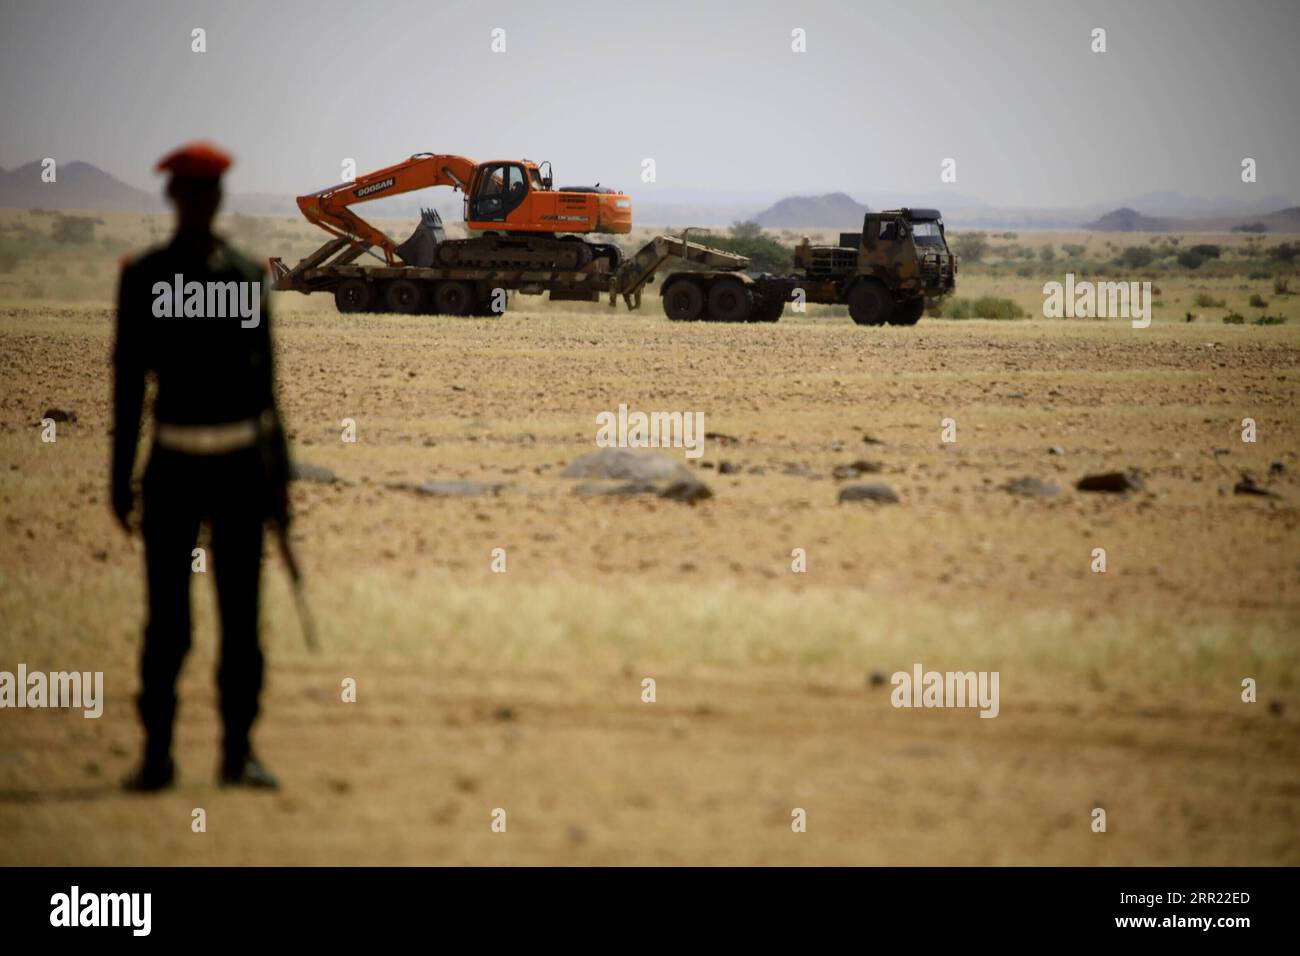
(515, 197)
(498, 190)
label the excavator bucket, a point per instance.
(422, 248)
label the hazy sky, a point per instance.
(710, 90)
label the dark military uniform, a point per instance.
(219, 456)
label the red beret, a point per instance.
(195, 161)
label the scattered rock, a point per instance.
(721, 439)
(1275, 469)
(855, 468)
(727, 468)
(61, 415)
(627, 464)
(1115, 482)
(305, 471)
(592, 489)
(689, 491)
(1031, 487)
(458, 388)
(456, 488)
(1248, 486)
(876, 678)
(1276, 707)
(873, 492)
(796, 470)
(872, 440)
(1056, 450)
(1055, 392)
(99, 554)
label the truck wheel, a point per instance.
(683, 301)
(454, 298)
(730, 301)
(403, 295)
(353, 295)
(870, 304)
(908, 313)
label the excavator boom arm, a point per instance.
(331, 208)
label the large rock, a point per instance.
(1114, 482)
(880, 493)
(628, 464)
(305, 471)
(457, 488)
(1031, 486)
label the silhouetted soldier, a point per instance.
(218, 456)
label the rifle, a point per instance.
(275, 466)
(295, 584)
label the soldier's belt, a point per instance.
(208, 439)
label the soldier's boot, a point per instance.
(152, 775)
(247, 771)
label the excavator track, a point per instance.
(538, 253)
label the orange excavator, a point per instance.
(524, 221)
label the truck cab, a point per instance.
(887, 271)
(908, 250)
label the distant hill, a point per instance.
(77, 185)
(1130, 220)
(831, 211)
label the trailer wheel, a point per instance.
(683, 301)
(908, 313)
(730, 301)
(403, 295)
(454, 298)
(353, 295)
(870, 303)
(768, 311)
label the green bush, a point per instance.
(1190, 259)
(1206, 301)
(1270, 320)
(1234, 318)
(10, 255)
(1207, 251)
(1136, 257)
(765, 254)
(970, 246)
(1257, 301)
(73, 230)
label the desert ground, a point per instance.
(522, 691)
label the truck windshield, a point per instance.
(927, 233)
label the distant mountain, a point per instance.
(831, 211)
(1130, 220)
(1169, 203)
(77, 185)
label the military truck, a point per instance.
(884, 274)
